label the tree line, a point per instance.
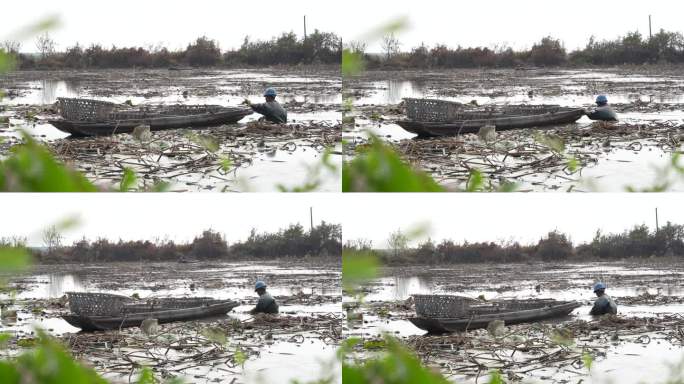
(632, 48)
(637, 242)
(287, 49)
(323, 240)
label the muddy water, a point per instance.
(626, 361)
(219, 280)
(311, 96)
(614, 171)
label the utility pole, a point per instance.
(657, 228)
(311, 217)
(305, 27)
(650, 32)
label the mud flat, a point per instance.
(635, 153)
(640, 344)
(249, 156)
(238, 346)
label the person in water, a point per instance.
(603, 304)
(603, 111)
(266, 303)
(271, 109)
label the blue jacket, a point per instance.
(603, 305)
(266, 304)
(604, 113)
(272, 111)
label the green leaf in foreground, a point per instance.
(358, 267)
(208, 142)
(495, 377)
(378, 168)
(587, 360)
(128, 180)
(554, 142)
(7, 61)
(352, 63)
(397, 366)
(48, 363)
(31, 168)
(14, 259)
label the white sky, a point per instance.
(134, 216)
(173, 23)
(493, 217)
(517, 23)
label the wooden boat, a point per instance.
(428, 118)
(101, 311)
(84, 117)
(480, 314)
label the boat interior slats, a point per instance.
(444, 111)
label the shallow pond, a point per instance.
(312, 98)
(626, 361)
(312, 355)
(614, 170)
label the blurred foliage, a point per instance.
(378, 168)
(128, 181)
(352, 63)
(396, 366)
(665, 176)
(315, 174)
(358, 266)
(31, 168)
(46, 364)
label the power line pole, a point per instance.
(305, 27)
(311, 217)
(650, 32)
(657, 228)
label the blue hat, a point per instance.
(270, 92)
(602, 99)
(599, 286)
(259, 284)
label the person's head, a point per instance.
(270, 94)
(601, 100)
(599, 289)
(260, 287)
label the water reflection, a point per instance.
(225, 286)
(52, 89)
(59, 284)
(566, 91)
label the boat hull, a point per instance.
(81, 128)
(433, 129)
(444, 325)
(102, 323)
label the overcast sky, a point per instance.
(172, 23)
(492, 217)
(517, 23)
(136, 216)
